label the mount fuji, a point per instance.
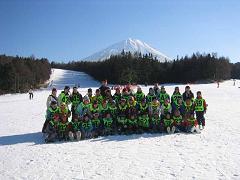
(129, 45)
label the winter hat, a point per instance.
(66, 87)
(86, 98)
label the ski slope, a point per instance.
(213, 154)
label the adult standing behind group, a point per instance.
(52, 97)
(104, 88)
(188, 94)
(156, 89)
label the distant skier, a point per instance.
(30, 92)
(217, 84)
(234, 82)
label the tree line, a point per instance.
(18, 74)
(138, 68)
(236, 70)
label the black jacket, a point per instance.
(103, 90)
(187, 95)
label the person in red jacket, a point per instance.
(200, 107)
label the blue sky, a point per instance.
(71, 30)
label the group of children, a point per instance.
(122, 113)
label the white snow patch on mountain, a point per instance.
(129, 45)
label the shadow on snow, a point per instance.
(36, 138)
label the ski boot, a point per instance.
(78, 135)
(168, 130)
(173, 129)
(71, 136)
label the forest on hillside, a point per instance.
(138, 68)
(18, 74)
(236, 70)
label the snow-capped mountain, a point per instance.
(132, 45)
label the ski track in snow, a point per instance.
(213, 154)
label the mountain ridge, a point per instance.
(129, 45)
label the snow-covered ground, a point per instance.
(213, 154)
